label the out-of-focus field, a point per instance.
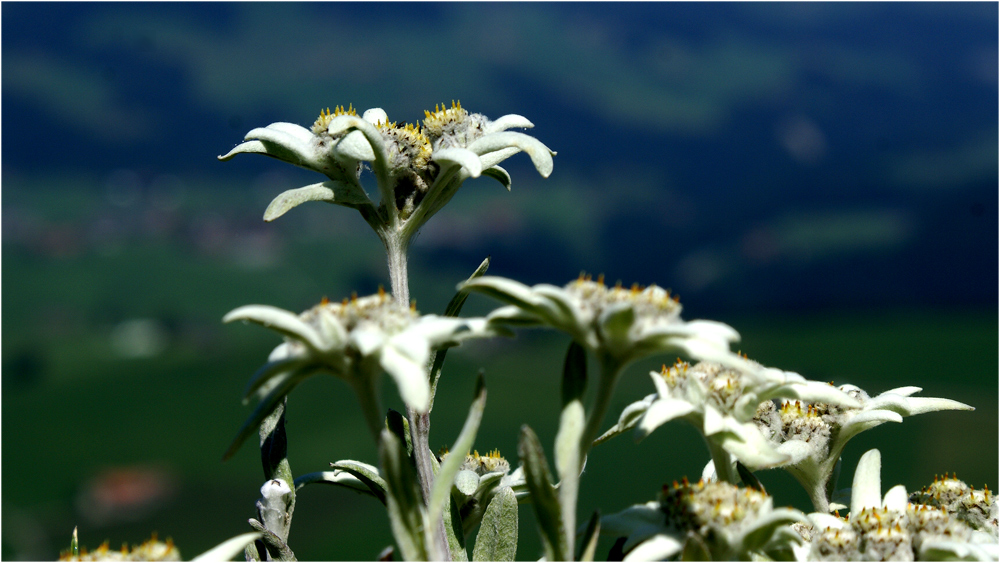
(121, 387)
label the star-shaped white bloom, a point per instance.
(721, 402)
(354, 340)
(624, 324)
(418, 168)
(890, 528)
(813, 436)
(710, 520)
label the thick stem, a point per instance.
(611, 369)
(396, 249)
(723, 463)
(420, 423)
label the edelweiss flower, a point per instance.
(891, 529)
(720, 402)
(714, 520)
(412, 163)
(618, 323)
(814, 435)
(354, 340)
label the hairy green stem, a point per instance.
(723, 464)
(611, 369)
(420, 423)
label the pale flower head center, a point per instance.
(691, 506)
(651, 305)
(380, 310)
(805, 422)
(723, 386)
(448, 127)
(322, 122)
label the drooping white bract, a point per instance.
(624, 324)
(709, 520)
(720, 402)
(813, 436)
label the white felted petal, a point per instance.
(281, 352)
(714, 422)
(375, 115)
(354, 145)
(512, 314)
(657, 548)
(457, 156)
(340, 193)
(541, 156)
(661, 411)
(866, 489)
(509, 121)
(796, 450)
(905, 391)
(367, 340)
(562, 308)
(819, 392)
(896, 498)
(250, 147)
(822, 520)
(491, 159)
(864, 421)
(292, 129)
(332, 331)
(921, 405)
(662, 389)
(277, 319)
(751, 447)
(410, 377)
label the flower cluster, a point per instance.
(149, 550)
(355, 340)
(721, 402)
(979, 509)
(623, 324)
(709, 520)
(892, 529)
(418, 168)
(813, 436)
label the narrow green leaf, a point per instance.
(588, 545)
(441, 492)
(405, 505)
(452, 310)
(339, 478)
(568, 461)
(574, 381)
(543, 495)
(398, 425)
(454, 530)
(266, 407)
(497, 538)
(455, 305)
(749, 479)
(364, 473)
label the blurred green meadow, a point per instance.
(821, 176)
(120, 391)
